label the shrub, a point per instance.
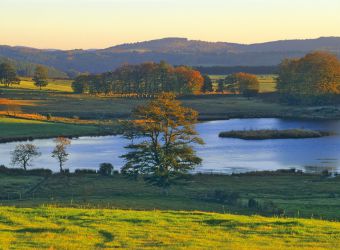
(105, 169)
(253, 204)
(85, 171)
(48, 116)
(222, 196)
(20, 171)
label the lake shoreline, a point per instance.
(200, 120)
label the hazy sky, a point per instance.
(69, 24)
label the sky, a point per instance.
(86, 24)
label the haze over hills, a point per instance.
(173, 50)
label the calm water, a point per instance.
(219, 155)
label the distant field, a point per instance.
(267, 82)
(69, 228)
(53, 85)
(17, 128)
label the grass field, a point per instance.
(22, 128)
(53, 85)
(94, 107)
(69, 228)
(293, 195)
(267, 82)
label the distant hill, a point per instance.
(176, 51)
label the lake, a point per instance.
(220, 155)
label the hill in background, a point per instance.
(176, 51)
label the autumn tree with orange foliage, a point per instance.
(162, 135)
(314, 77)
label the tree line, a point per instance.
(142, 80)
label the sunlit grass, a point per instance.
(69, 228)
(53, 85)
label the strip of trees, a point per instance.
(143, 80)
(239, 83)
(312, 79)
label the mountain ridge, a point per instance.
(175, 50)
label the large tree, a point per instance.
(242, 83)
(8, 75)
(162, 135)
(315, 75)
(60, 151)
(40, 77)
(24, 154)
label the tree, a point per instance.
(207, 84)
(8, 75)
(24, 154)
(105, 169)
(220, 86)
(243, 83)
(40, 77)
(59, 151)
(314, 76)
(165, 132)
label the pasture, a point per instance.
(62, 85)
(289, 194)
(12, 128)
(70, 228)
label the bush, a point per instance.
(20, 171)
(253, 204)
(105, 169)
(48, 116)
(222, 196)
(85, 171)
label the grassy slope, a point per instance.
(65, 228)
(295, 195)
(17, 128)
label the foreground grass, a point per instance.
(293, 195)
(69, 228)
(12, 128)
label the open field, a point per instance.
(208, 106)
(11, 128)
(267, 82)
(53, 85)
(291, 194)
(69, 228)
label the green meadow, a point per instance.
(13, 128)
(70, 228)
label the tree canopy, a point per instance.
(8, 75)
(147, 79)
(24, 154)
(40, 76)
(162, 134)
(240, 83)
(315, 75)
